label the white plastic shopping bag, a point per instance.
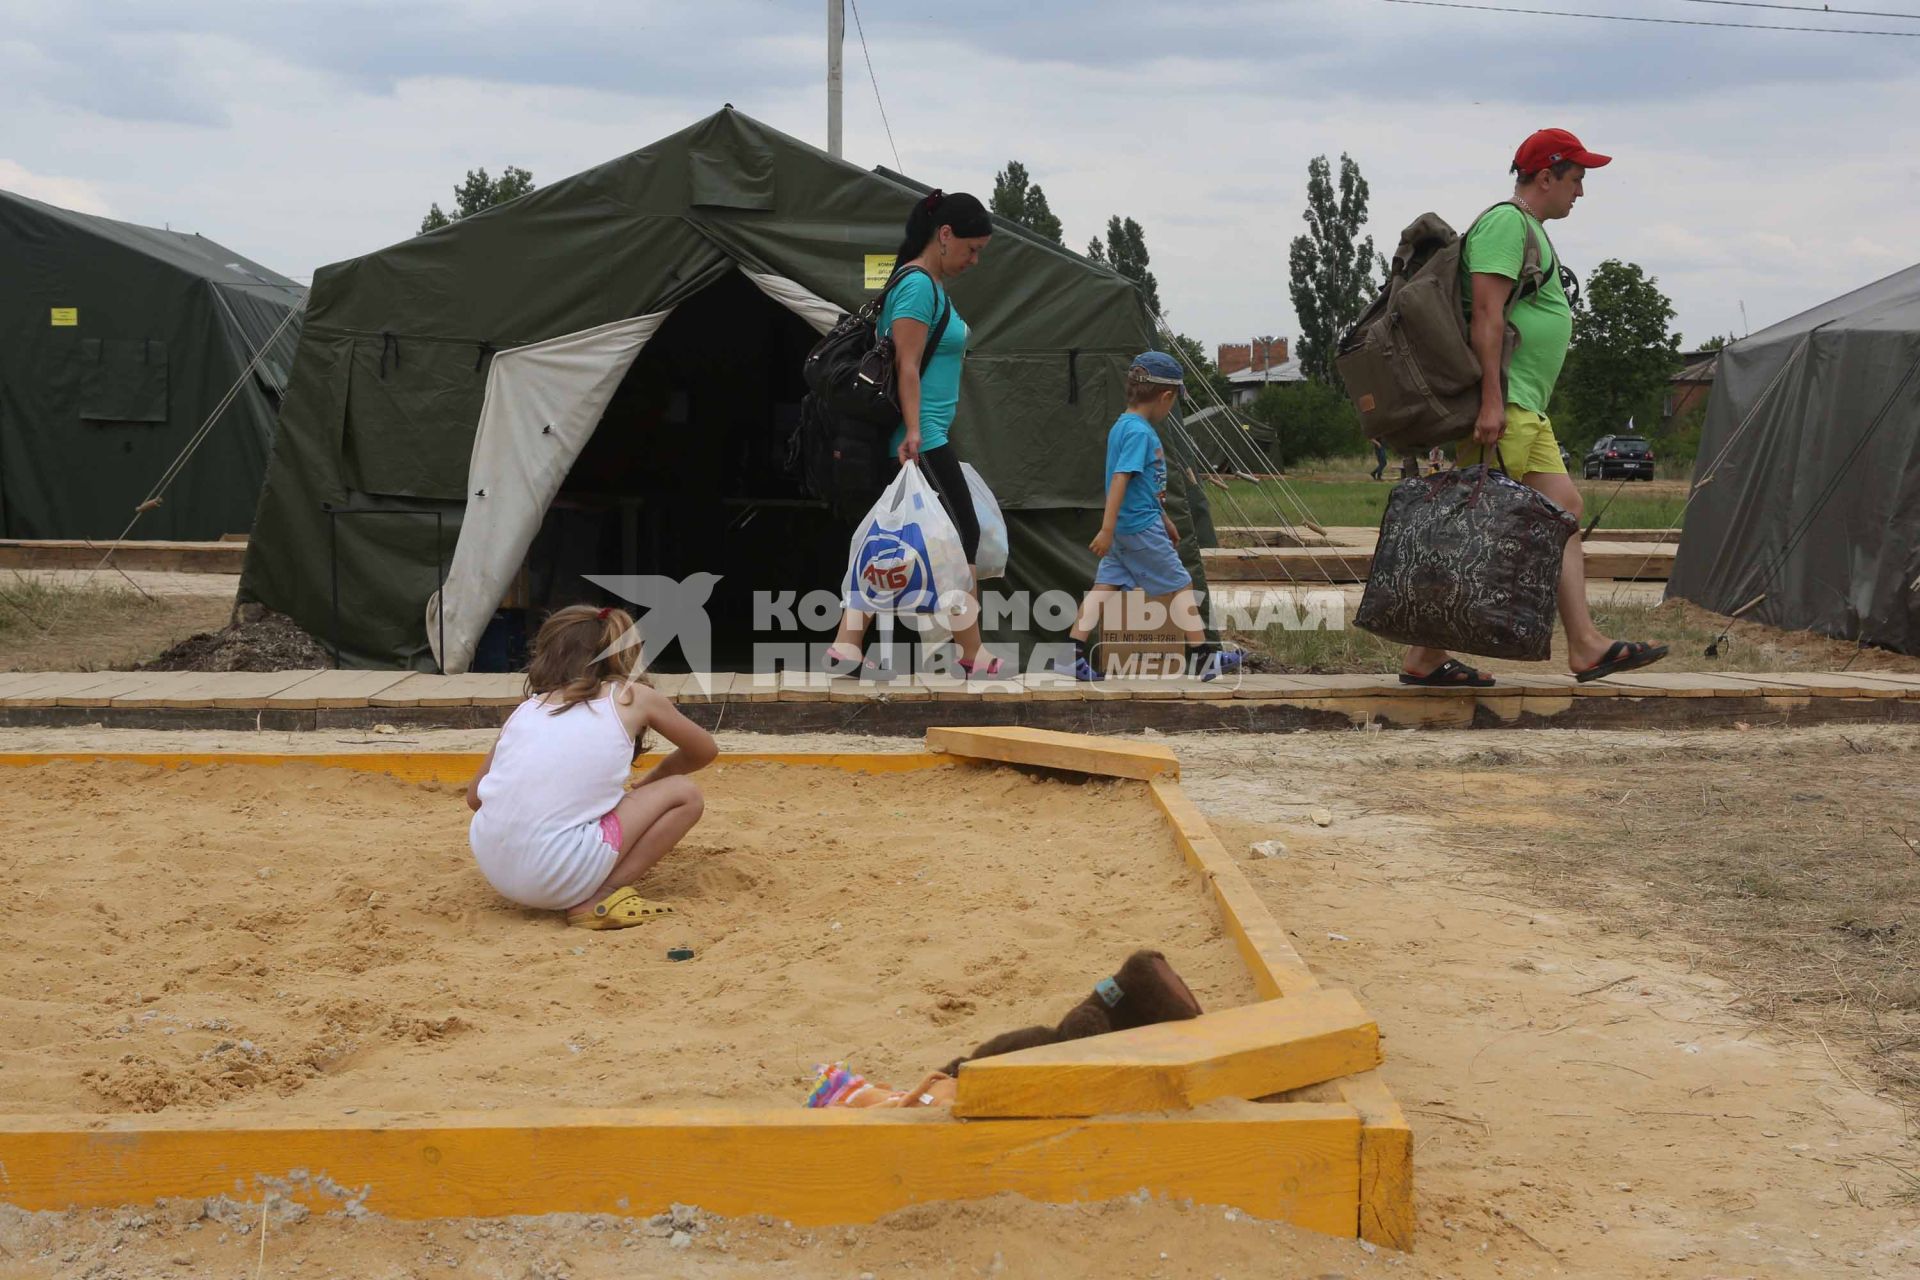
(992, 559)
(906, 557)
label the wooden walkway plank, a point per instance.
(1045, 748)
(336, 689)
(249, 690)
(1292, 1162)
(804, 686)
(491, 689)
(705, 686)
(55, 685)
(423, 689)
(1822, 684)
(1247, 1052)
(102, 693)
(754, 686)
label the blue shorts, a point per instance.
(1144, 561)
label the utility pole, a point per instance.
(836, 37)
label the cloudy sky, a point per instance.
(1774, 168)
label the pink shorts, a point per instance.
(610, 830)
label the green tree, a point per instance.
(1332, 265)
(1623, 354)
(1017, 198)
(1311, 420)
(1126, 252)
(479, 192)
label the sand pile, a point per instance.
(298, 938)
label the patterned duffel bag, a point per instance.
(1468, 560)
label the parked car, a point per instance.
(1619, 458)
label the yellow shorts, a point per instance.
(1529, 445)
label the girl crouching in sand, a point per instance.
(554, 824)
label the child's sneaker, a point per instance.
(1223, 662)
(1084, 672)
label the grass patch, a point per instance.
(35, 606)
(1339, 501)
(52, 624)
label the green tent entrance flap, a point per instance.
(117, 342)
(602, 378)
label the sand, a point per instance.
(1564, 1126)
(290, 939)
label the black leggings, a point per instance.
(942, 469)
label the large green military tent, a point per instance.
(1807, 493)
(602, 377)
(117, 343)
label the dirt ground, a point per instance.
(1577, 1022)
(324, 940)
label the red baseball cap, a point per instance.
(1551, 146)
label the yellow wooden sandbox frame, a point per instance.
(1089, 1120)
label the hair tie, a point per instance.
(933, 201)
(602, 615)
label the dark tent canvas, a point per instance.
(117, 342)
(1807, 491)
(602, 376)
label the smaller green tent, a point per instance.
(117, 343)
(602, 377)
(1805, 508)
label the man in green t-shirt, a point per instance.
(1549, 170)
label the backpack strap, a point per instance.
(1533, 275)
(938, 328)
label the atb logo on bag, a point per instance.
(894, 573)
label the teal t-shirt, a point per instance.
(917, 297)
(1133, 447)
(1543, 319)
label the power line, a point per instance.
(875, 82)
(1810, 8)
(1665, 22)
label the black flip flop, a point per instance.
(1623, 655)
(1449, 675)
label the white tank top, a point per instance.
(552, 774)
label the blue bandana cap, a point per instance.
(1159, 367)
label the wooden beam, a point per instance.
(1248, 1052)
(1045, 748)
(1386, 1162)
(148, 554)
(1298, 1163)
(1276, 967)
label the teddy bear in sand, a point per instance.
(1144, 991)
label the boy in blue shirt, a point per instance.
(1136, 539)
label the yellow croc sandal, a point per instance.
(622, 909)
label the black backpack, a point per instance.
(850, 371)
(846, 467)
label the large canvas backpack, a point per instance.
(1408, 362)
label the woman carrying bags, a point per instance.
(944, 237)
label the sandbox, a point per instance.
(282, 974)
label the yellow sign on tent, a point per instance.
(879, 270)
(66, 317)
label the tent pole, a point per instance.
(836, 38)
